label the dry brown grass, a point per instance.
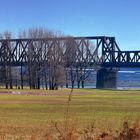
(58, 131)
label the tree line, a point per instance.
(62, 68)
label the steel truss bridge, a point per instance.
(100, 49)
(76, 51)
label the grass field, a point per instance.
(107, 108)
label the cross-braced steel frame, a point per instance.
(101, 50)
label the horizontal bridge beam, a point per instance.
(120, 64)
(137, 51)
(59, 38)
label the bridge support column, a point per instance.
(106, 78)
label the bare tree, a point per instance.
(35, 54)
(78, 58)
(86, 49)
(45, 62)
(70, 60)
(51, 59)
(7, 48)
(56, 64)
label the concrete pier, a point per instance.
(106, 78)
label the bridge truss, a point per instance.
(100, 50)
(79, 53)
(18, 52)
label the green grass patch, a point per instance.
(40, 106)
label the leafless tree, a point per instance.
(86, 49)
(34, 54)
(56, 64)
(7, 48)
(78, 59)
(70, 60)
(52, 60)
(45, 62)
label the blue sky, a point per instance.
(119, 18)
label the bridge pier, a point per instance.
(106, 78)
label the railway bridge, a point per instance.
(102, 51)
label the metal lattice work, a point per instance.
(72, 50)
(17, 52)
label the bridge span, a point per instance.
(73, 52)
